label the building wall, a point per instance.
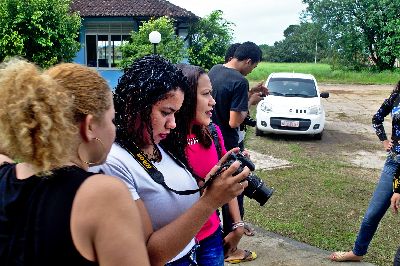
(111, 25)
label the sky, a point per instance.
(259, 21)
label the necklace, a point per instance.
(192, 141)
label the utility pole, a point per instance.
(316, 51)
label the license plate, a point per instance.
(287, 123)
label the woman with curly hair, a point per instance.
(200, 154)
(52, 211)
(148, 95)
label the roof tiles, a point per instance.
(129, 8)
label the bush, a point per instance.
(42, 31)
(171, 45)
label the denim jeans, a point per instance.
(396, 261)
(378, 206)
(211, 250)
(189, 259)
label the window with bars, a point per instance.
(103, 43)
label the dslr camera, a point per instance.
(248, 121)
(256, 189)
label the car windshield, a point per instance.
(292, 87)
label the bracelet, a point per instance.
(237, 225)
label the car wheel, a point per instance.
(259, 132)
(318, 136)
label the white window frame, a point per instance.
(109, 29)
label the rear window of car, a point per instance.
(292, 87)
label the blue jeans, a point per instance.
(377, 207)
(189, 259)
(396, 261)
(211, 250)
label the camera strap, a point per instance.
(215, 137)
(156, 175)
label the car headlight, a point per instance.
(265, 107)
(315, 110)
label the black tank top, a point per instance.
(35, 218)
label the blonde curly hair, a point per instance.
(36, 123)
(90, 91)
(41, 112)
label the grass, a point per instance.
(323, 73)
(320, 200)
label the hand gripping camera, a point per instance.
(248, 121)
(256, 189)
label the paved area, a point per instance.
(276, 250)
(347, 117)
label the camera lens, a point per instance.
(257, 190)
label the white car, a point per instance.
(293, 106)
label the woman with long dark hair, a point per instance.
(147, 97)
(203, 145)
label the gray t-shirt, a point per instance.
(162, 205)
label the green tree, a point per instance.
(302, 43)
(209, 38)
(42, 31)
(267, 51)
(171, 45)
(360, 32)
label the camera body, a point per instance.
(256, 189)
(248, 121)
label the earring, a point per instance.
(96, 162)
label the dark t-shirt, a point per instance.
(230, 91)
(35, 218)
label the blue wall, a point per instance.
(80, 56)
(110, 74)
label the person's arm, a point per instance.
(106, 225)
(239, 104)
(395, 203)
(257, 93)
(236, 118)
(232, 240)
(378, 118)
(164, 244)
(395, 200)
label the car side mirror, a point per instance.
(324, 94)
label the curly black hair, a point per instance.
(397, 88)
(176, 142)
(145, 82)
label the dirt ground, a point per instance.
(348, 130)
(348, 134)
(348, 137)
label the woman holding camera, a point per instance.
(201, 153)
(148, 95)
(52, 211)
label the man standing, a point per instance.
(233, 98)
(231, 91)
